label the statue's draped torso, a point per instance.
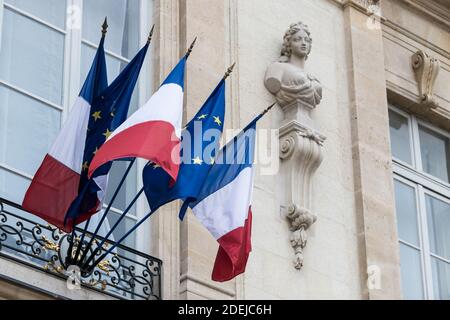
(295, 85)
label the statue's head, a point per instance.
(297, 41)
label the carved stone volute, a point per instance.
(301, 154)
(426, 69)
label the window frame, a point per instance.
(423, 184)
(72, 83)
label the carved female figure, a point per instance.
(287, 79)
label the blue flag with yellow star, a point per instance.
(108, 111)
(200, 141)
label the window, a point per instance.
(44, 59)
(421, 155)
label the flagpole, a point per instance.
(149, 39)
(117, 243)
(191, 47)
(189, 51)
(105, 27)
(104, 31)
(116, 192)
(122, 216)
(114, 245)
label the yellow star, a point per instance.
(212, 161)
(85, 166)
(197, 160)
(96, 149)
(112, 113)
(96, 115)
(156, 166)
(107, 133)
(203, 116)
(217, 120)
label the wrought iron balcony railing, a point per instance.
(127, 274)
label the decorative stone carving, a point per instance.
(287, 78)
(297, 93)
(365, 3)
(427, 70)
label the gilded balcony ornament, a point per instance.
(50, 245)
(104, 266)
(134, 276)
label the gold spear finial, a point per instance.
(188, 53)
(229, 71)
(149, 39)
(268, 108)
(105, 26)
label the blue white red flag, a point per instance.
(223, 205)
(56, 183)
(199, 146)
(153, 132)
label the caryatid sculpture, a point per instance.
(297, 92)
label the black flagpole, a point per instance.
(122, 216)
(116, 192)
(88, 247)
(117, 243)
(73, 236)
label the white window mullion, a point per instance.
(72, 54)
(108, 52)
(30, 16)
(427, 269)
(421, 178)
(143, 237)
(416, 144)
(1, 21)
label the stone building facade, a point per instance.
(377, 204)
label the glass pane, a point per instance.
(32, 57)
(128, 190)
(51, 11)
(411, 273)
(125, 225)
(441, 279)
(12, 186)
(405, 205)
(114, 65)
(435, 151)
(28, 128)
(399, 132)
(123, 21)
(438, 218)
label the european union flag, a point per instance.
(108, 111)
(199, 145)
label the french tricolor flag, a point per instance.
(224, 204)
(153, 132)
(56, 183)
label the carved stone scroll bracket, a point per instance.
(300, 219)
(426, 69)
(301, 154)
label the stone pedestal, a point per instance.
(301, 154)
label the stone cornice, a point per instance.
(434, 10)
(360, 5)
